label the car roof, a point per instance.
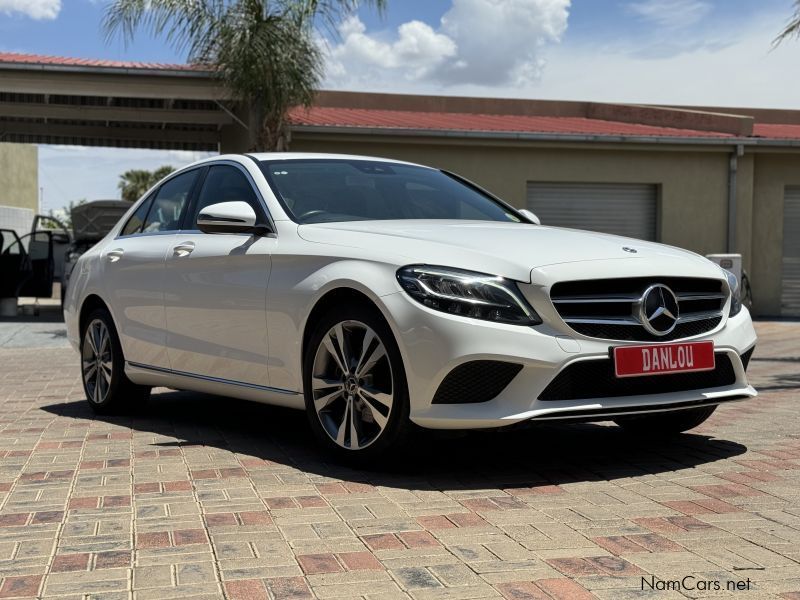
(312, 155)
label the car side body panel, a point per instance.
(215, 298)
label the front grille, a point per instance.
(591, 379)
(606, 308)
(475, 381)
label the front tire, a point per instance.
(666, 423)
(354, 383)
(108, 389)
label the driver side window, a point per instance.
(169, 203)
(225, 183)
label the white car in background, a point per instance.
(374, 294)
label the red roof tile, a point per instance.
(441, 121)
(777, 131)
(61, 61)
(395, 119)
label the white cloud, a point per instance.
(501, 41)
(486, 42)
(732, 66)
(35, 9)
(416, 51)
(741, 72)
(671, 14)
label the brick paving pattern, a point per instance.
(201, 496)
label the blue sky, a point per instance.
(710, 52)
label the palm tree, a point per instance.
(792, 29)
(134, 183)
(264, 51)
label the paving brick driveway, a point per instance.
(210, 497)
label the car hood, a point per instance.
(507, 249)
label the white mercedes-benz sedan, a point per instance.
(377, 295)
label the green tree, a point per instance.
(135, 182)
(264, 51)
(792, 28)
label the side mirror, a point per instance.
(229, 217)
(530, 216)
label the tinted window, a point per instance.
(39, 245)
(323, 190)
(225, 183)
(169, 203)
(9, 243)
(134, 224)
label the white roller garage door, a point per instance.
(790, 295)
(618, 208)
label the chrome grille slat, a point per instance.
(595, 299)
(632, 321)
(606, 320)
(700, 303)
(690, 297)
(699, 316)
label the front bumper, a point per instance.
(433, 344)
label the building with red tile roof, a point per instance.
(706, 178)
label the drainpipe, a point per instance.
(733, 167)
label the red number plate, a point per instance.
(661, 359)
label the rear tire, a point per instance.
(354, 384)
(666, 423)
(108, 390)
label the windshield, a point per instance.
(329, 190)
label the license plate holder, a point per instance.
(663, 359)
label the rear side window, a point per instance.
(169, 203)
(134, 224)
(225, 183)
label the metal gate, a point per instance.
(628, 209)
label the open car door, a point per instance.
(62, 238)
(15, 265)
(39, 247)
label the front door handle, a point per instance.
(184, 249)
(114, 255)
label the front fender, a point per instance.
(294, 292)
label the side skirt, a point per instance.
(160, 377)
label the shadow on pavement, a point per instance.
(47, 313)
(539, 455)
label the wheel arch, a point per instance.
(332, 298)
(91, 303)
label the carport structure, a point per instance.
(55, 100)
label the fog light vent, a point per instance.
(476, 381)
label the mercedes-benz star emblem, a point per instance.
(658, 310)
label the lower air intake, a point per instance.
(595, 379)
(476, 381)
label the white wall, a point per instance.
(18, 219)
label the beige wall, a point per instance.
(19, 176)
(773, 172)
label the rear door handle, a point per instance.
(184, 249)
(114, 255)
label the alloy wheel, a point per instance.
(97, 361)
(352, 385)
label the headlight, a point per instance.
(467, 294)
(736, 299)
